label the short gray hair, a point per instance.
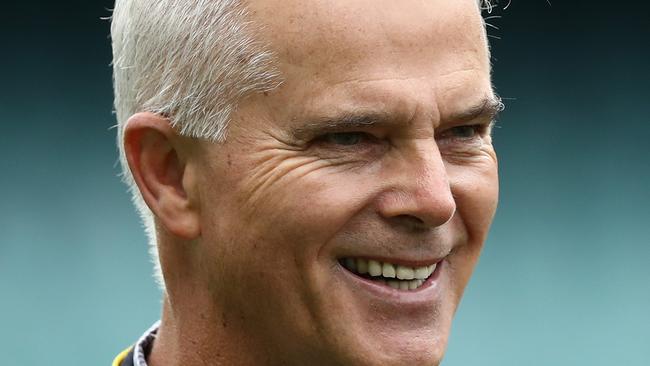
(189, 60)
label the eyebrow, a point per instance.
(345, 121)
(488, 107)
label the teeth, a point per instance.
(405, 278)
(374, 268)
(388, 270)
(362, 266)
(422, 273)
(405, 273)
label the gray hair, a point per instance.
(188, 60)
(191, 61)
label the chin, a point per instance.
(417, 352)
(363, 322)
(373, 339)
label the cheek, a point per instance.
(280, 212)
(310, 200)
(304, 214)
(476, 191)
(267, 235)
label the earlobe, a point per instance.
(153, 152)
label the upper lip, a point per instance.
(384, 247)
(409, 261)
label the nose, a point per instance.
(418, 194)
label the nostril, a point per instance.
(410, 222)
(417, 207)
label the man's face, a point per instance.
(374, 150)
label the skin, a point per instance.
(251, 231)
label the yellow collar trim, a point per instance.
(118, 360)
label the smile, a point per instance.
(396, 276)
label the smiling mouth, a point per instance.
(396, 276)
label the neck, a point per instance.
(198, 327)
(202, 337)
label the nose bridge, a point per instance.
(419, 186)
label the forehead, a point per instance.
(365, 50)
(306, 32)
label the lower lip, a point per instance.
(426, 292)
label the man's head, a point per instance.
(373, 153)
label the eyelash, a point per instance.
(479, 130)
(329, 138)
(358, 137)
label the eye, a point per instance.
(344, 138)
(465, 132)
(355, 146)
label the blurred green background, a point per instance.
(564, 278)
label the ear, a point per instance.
(154, 153)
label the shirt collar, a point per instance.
(143, 346)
